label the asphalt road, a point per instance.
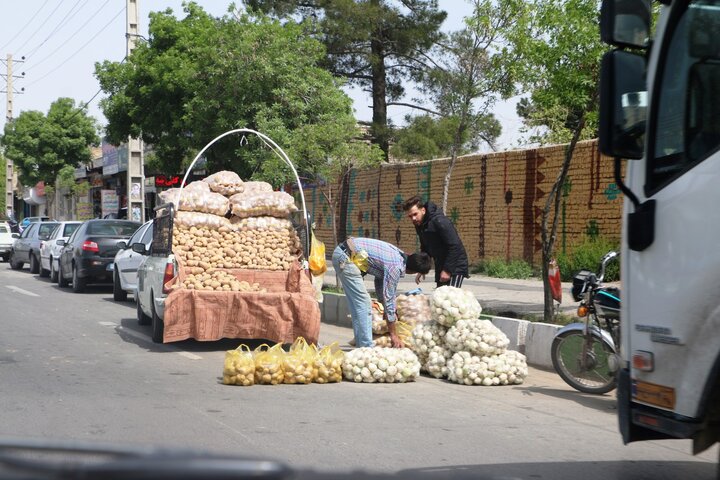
(77, 366)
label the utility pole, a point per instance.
(9, 203)
(135, 168)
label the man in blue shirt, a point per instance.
(387, 264)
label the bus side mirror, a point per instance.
(623, 105)
(625, 23)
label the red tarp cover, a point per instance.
(288, 309)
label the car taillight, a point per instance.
(89, 246)
(169, 275)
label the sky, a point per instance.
(61, 40)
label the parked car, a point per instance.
(158, 268)
(26, 248)
(50, 250)
(87, 256)
(6, 240)
(127, 261)
(28, 220)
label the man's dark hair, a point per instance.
(419, 263)
(415, 201)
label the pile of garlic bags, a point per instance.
(463, 348)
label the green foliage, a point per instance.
(201, 76)
(587, 255)
(81, 189)
(553, 51)
(424, 138)
(42, 145)
(376, 45)
(494, 267)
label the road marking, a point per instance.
(189, 355)
(20, 290)
(108, 324)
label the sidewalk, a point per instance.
(503, 296)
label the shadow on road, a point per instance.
(142, 337)
(606, 402)
(610, 470)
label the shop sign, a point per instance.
(96, 180)
(115, 159)
(83, 210)
(150, 185)
(109, 202)
(81, 172)
(168, 181)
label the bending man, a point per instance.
(387, 264)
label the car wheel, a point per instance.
(53, 272)
(62, 281)
(119, 295)
(34, 264)
(13, 264)
(157, 324)
(142, 318)
(78, 283)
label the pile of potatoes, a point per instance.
(220, 281)
(207, 238)
(200, 248)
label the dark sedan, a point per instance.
(88, 254)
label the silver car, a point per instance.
(50, 250)
(158, 268)
(127, 261)
(26, 248)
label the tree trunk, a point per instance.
(453, 159)
(553, 204)
(379, 90)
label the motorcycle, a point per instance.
(586, 354)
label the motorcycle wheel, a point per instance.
(592, 376)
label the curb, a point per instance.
(533, 339)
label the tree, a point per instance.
(463, 86)
(201, 76)
(334, 172)
(377, 44)
(40, 146)
(424, 137)
(553, 50)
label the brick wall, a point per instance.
(495, 201)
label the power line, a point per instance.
(80, 48)
(39, 62)
(25, 26)
(57, 27)
(41, 25)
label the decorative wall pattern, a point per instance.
(495, 200)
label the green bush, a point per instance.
(497, 268)
(587, 256)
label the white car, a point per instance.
(6, 241)
(50, 250)
(158, 268)
(127, 260)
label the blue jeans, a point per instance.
(357, 296)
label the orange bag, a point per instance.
(317, 262)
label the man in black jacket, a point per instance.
(440, 240)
